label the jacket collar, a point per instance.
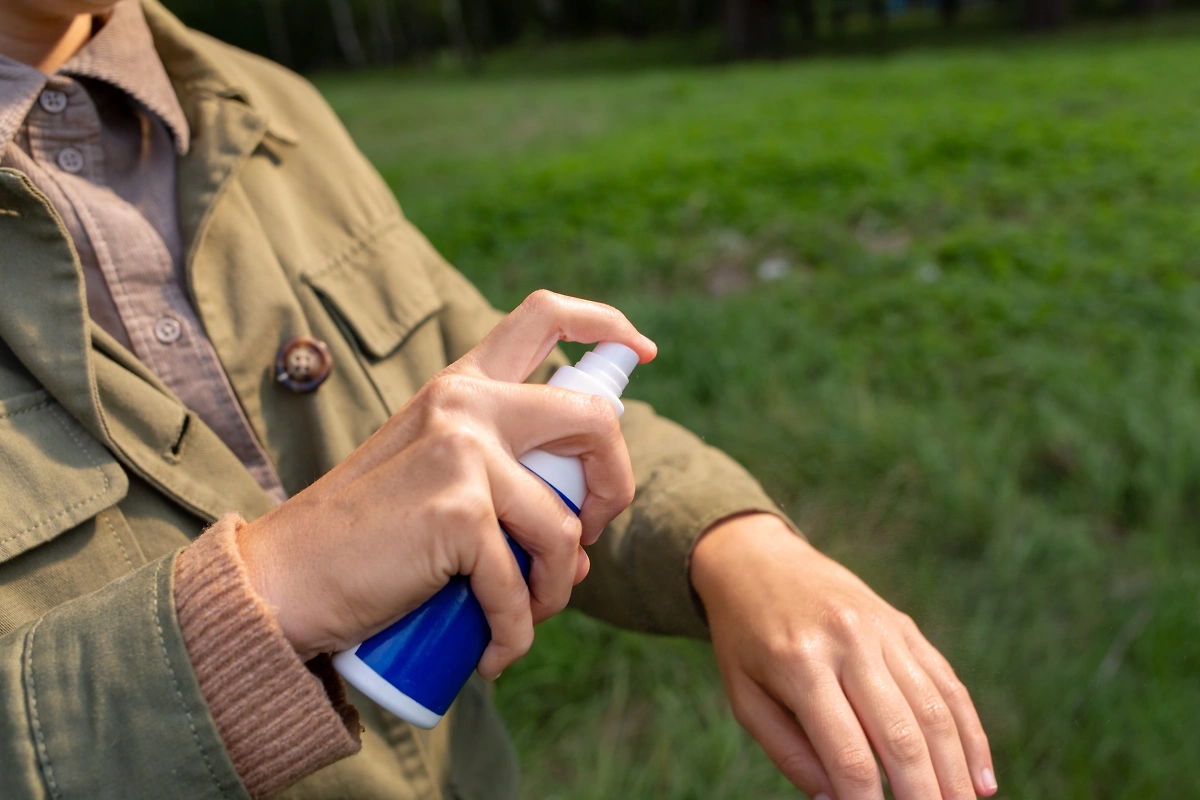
(199, 66)
(227, 124)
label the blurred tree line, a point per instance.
(309, 34)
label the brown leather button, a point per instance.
(303, 363)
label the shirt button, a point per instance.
(70, 159)
(53, 100)
(168, 330)
(303, 363)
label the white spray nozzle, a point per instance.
(611, 364)
(622, 357)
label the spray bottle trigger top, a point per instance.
(622, 357)
(611, 363)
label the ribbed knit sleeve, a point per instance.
(280, 719)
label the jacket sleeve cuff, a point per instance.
(641, 565)
(279, 719)
(661, 553)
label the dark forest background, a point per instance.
(321, 34)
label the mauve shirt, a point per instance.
(100, 138)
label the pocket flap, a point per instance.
(380, 288)
(54, 474)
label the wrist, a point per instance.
(259, 549)
(728, 552)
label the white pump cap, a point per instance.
(604, 372)
(611, 363)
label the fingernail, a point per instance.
(988, 778)
(821, 797)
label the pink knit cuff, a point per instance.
(280, 720)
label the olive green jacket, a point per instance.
(106, 475)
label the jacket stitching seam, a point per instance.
(365, 334)
(87, 454)
(43, 752)
(338, 260)
(38, 407)
(121, 545)
(162, 645)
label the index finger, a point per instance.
(522, 340)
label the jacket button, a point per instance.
(303, 363)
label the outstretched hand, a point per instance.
(821, 671)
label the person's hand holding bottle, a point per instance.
(423, 499)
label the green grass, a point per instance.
(977, 382)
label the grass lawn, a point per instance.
(945, 304)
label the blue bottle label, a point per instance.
(430, 653)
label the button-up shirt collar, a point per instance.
(122, 54)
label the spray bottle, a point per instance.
(418, 665)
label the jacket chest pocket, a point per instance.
(384, 302)
(60, 534)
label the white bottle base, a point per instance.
(369, 682)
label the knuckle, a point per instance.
(934, 717)
(845, 621)
(801, 651)
(600, 414)
(464, 509)
(556, 604)
(955, 690)
(960, 788)
(517, 600)
(795, 765)
(908, 626)
(856, 766)
(454, 441)
(511, 619)
(522, 641)
(447, 390)
(905, 743)
(541, 300)
(570, 530)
